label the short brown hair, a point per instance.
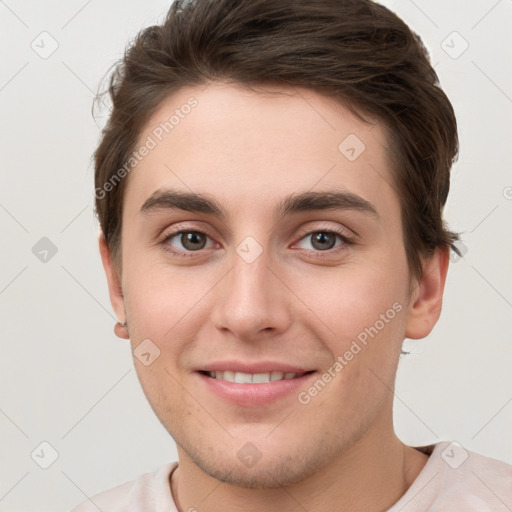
(355, 51)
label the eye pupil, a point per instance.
(321, 238)
(190, 240)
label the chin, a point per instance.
(272, 467)
(264, 475)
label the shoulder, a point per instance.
(455, 478)
(149, 491)
(485, 481)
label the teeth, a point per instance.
(251, 378)
(260, 377)
(227, 376)
(243, 378)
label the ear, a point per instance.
(427, 298)
(114, 285)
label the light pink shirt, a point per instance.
(453, 480)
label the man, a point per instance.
(305, 149)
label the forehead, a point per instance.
(231, 142)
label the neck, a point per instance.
(372, 475)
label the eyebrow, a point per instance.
(168, 199)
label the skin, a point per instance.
(295, 303)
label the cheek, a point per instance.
(165, 393)
(160, 297)
(348, 300)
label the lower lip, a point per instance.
(255, 395)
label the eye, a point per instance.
(324, 240)
(185, 243)
(190, 241)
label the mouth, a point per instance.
(253, 378)
(253, 390)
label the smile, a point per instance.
(253, 378)
(254, 390)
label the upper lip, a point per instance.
(256, 367)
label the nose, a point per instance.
(251, 300)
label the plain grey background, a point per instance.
(69, 382)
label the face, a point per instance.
(283, 270)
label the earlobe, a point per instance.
(425, 307)
(114, 286)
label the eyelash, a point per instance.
(318, 254)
